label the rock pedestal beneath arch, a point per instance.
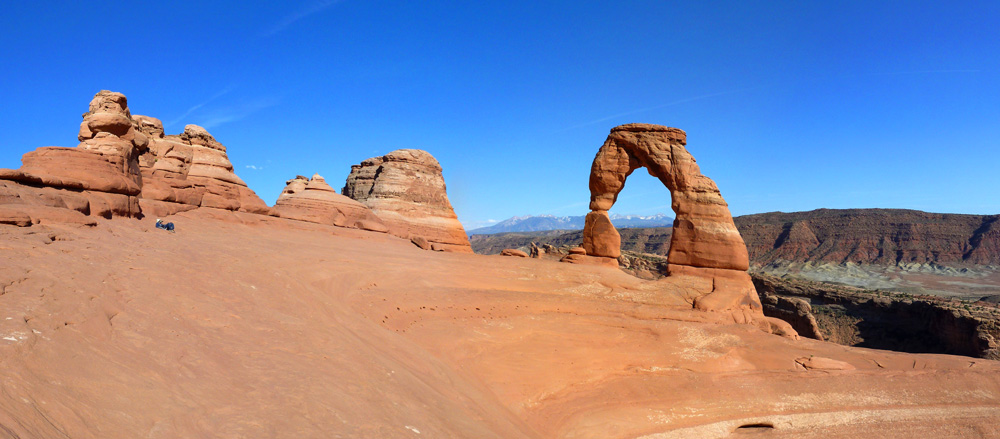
(600, 238)
(707, 254)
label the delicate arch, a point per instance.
(704, 234)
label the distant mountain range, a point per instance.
(550, 222)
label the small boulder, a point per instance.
(513, 252)
(14, 217)
(421, 242)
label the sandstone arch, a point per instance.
(704, 234)
(707, 255)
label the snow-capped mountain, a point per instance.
(549, 222)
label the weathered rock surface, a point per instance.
(419, 241)
(190, 169)
(99, 177)
(704, 233)
(821, 363)
(836, 313)
(705, 241)
(794, 310)
(313, 200)
(883, 320)
(600, 238)
(514, 252)
(125, 166)
(258, 326)
(406, 189)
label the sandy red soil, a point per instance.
(240, 325)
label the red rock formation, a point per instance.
(99, 177)
(190, 170)
(125, 166)
(315, 201)
(705, 241)
(406, 190)
(513, 252)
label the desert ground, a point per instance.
(244, 325)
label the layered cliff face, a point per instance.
(190, 170)
(124, 166)
(99, 177)
(872, 236)
(313, 200)
(406, 189)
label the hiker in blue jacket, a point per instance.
(165, 226)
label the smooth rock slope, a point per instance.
(243, 325)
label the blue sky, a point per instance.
(788, 105)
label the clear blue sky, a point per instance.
(788, 106)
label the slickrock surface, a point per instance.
(313, 200)
(906, 317)
(99, 177)
(406, 190)
(189, 170)
(243, 325)
(705, 241)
